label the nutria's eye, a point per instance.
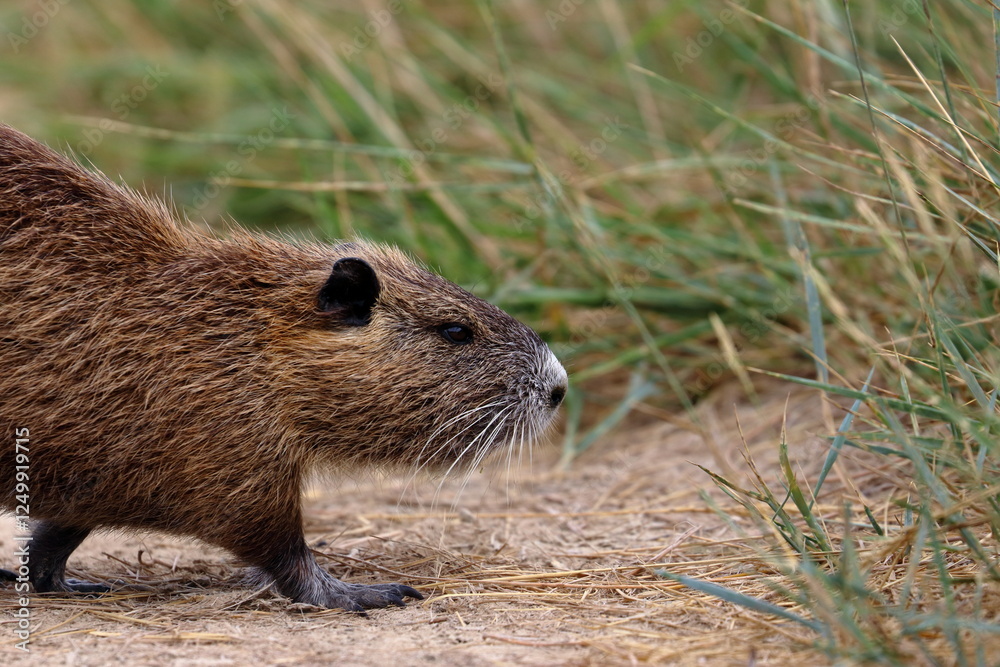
(456, 333)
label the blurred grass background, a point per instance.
(673, 193)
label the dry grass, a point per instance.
(558, 568)
(764, 209)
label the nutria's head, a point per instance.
(413, 369)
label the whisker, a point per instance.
(498, 415)
(461, 416)
(421, 462)
(480, 452)
(458, 434)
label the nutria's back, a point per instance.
(179, 382)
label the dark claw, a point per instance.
(80, 586)
(401, 591)
(412, 592)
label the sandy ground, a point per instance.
(553, 569)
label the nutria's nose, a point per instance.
(557, 396)
(555, 377)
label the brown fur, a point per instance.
(177, 382)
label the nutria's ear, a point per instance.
(350, 292)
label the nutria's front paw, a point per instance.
(359, 597)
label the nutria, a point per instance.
(159, 378)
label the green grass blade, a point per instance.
(838, 441)
(733, 597)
